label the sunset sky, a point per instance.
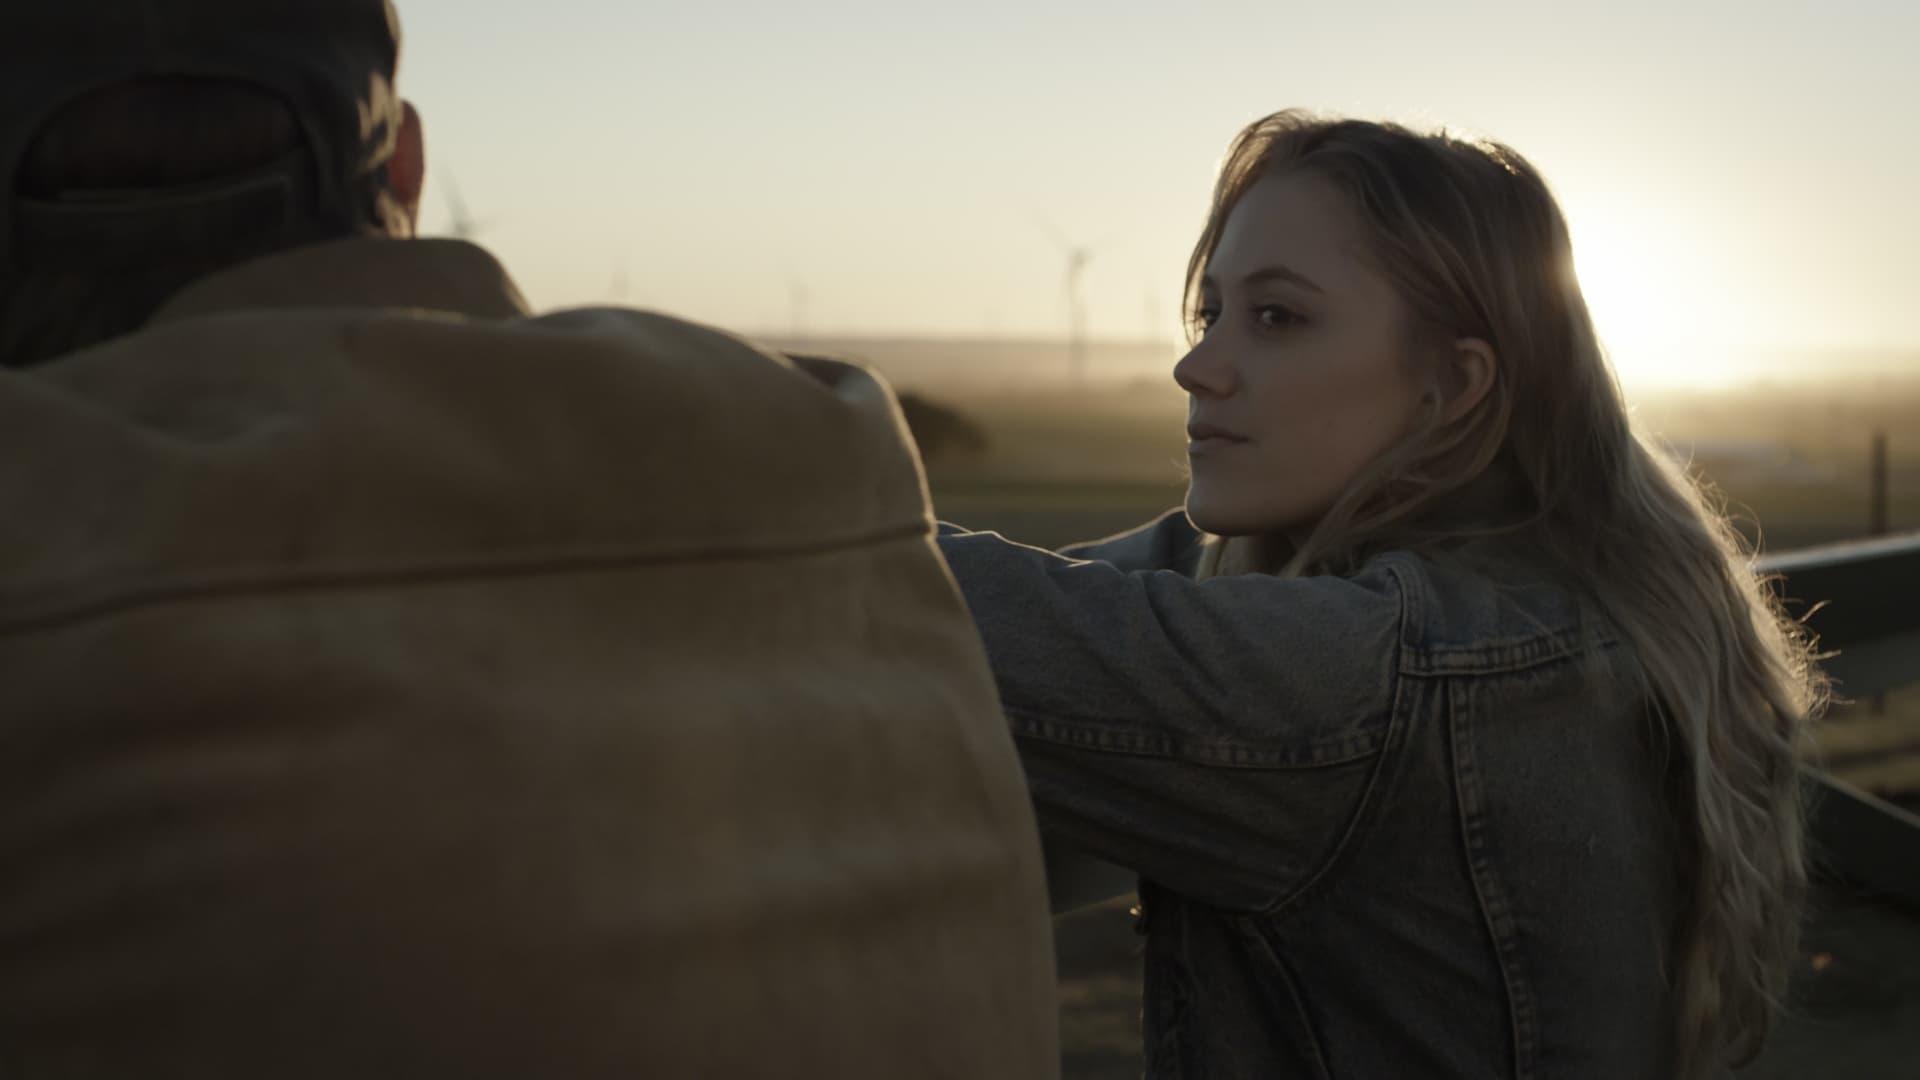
(1741, 178)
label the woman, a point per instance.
(1453, 736)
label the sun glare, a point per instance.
(1646, 296)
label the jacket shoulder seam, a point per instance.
(86, 602)
(1103, 737)
(1365, 807)
(1489, 892)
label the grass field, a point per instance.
(1792, 463)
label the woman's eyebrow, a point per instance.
(1281, 273)
(1270, 273)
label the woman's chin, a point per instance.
(1209, 516)
(1224, 518)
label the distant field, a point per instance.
(1066, 465)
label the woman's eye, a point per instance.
(1274, 316)
(1206, 317)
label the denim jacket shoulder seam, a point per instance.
(1494, 655)
(1364, 808)
(1502, 656)
(1369, 739)
(1489, 891)
(1460, 662)
(1110, 738)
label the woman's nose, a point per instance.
(1205, 371)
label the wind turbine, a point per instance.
(461, 224)
(1078, 256)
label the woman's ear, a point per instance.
(1466, 375)
(407, 169)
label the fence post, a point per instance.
(1877, 523)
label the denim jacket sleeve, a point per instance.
(1214, 736)
(1169, 542)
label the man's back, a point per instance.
(418, 692)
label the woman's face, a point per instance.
(1302, 377)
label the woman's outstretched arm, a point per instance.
(1168, 542)
(1214, 736)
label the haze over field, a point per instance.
(972, 364)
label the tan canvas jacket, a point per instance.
(396, 684)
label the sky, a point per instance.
(1742, 179)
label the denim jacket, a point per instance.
(1385, 824)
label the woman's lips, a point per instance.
(1211, 444)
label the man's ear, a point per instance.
(1466, 375)
(407, 169)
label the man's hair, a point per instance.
(148, 135)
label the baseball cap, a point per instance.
(332, 61)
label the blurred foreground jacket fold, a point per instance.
(394, 684)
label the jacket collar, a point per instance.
(448, 276)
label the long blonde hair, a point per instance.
(1476, 244)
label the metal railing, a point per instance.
(1864, 599)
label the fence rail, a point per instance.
(1863, 599)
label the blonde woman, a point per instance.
(1449, 730)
